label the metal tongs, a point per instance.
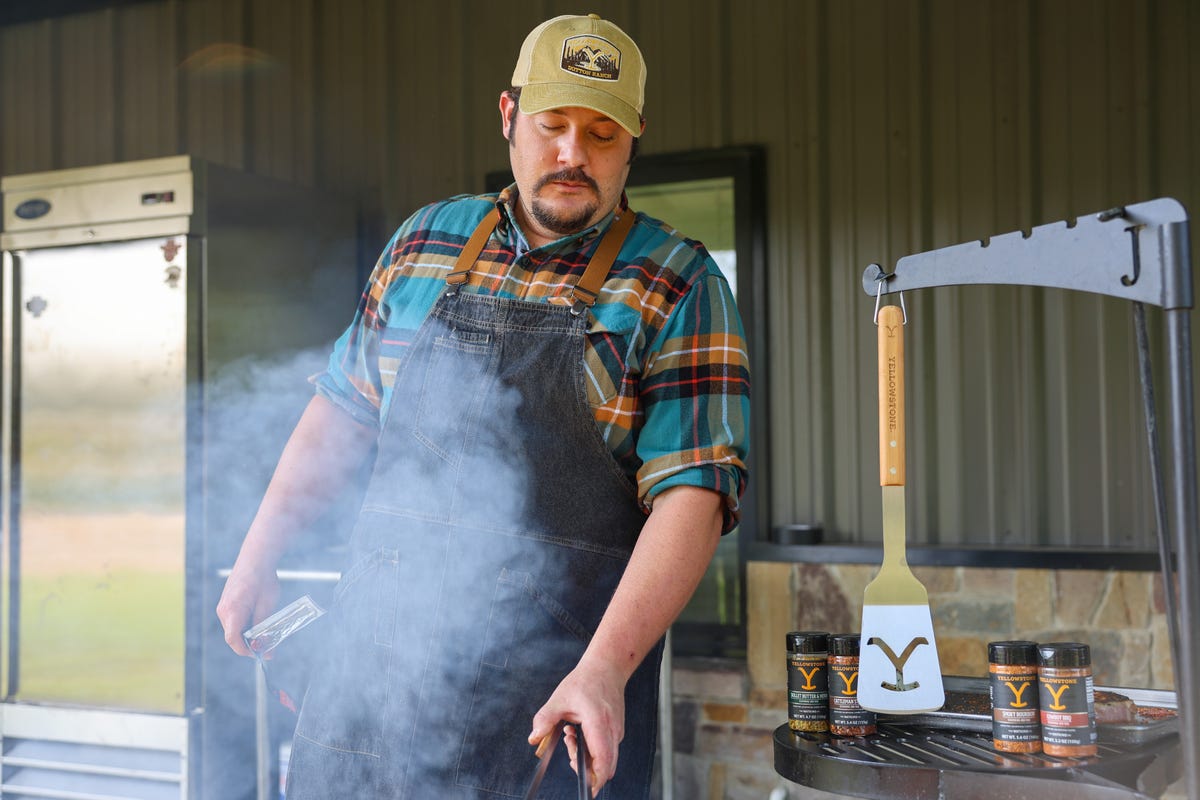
(545, 752)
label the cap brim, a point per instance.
(538, 97)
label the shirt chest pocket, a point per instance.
(611, 364)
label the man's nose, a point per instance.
(572, 149)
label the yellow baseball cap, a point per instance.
(582, 61)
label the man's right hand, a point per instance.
(322, 456)
(249, 597)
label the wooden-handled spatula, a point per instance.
(898, 671)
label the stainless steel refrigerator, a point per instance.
(159, 321)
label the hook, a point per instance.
(879, 281)
(1130, 280)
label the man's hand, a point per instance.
(250, 595)
(594, 697)
(671, 555)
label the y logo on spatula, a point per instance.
(898, 662)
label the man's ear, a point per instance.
(507, 109)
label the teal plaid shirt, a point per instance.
(666, 365)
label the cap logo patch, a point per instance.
(591, 57)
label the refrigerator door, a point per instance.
(98, 505)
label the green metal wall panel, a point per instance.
(890, 127)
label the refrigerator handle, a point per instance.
(11, 556)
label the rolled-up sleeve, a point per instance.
(352, 379)
(695, 394)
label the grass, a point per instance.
(110, 640)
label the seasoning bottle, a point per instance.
(1013, 685)
(1068, 703)
(846, 716)
(808, 680)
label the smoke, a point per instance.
(251, 407)
(438, 579)
(449, 520)
(243, 414)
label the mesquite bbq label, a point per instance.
(1067, 710)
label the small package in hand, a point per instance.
(270, 633)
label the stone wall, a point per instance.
(727, 710)
(1120, 614)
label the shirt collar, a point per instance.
(508, 228)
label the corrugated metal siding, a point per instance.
(890, 127)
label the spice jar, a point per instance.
(808, 680)
(1013, 685)
(846, 716)
(1068, 703)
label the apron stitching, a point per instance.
(336, 749)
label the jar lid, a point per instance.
(808, 642)
(843, 644)
(1064, 654)
(1015, 653)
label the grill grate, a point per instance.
(920, 761)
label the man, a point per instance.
(556, 391)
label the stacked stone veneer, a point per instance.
(727, 710)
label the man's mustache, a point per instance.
(569, 175)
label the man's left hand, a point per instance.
(594, 697)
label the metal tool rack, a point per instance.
(1139, 253)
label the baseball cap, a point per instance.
(582, 61)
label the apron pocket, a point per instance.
(531, 643)
(346, 703)
(452, 392)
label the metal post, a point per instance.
(262, 735)
(666, 721)
(1183, 446)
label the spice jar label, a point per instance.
(846, 716)
(1067, 704)
(808, 688)
(1015, 712)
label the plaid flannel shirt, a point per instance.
(665, 363)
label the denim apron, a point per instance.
(493, 534)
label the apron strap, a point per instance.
(472, 249)
(586, 290)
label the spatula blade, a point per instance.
(898, 667)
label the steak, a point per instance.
(1114, 709)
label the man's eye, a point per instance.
(546, 127)
(601, 138)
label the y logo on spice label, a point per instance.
(1057, 705)
(1017, 701)
(808, 677)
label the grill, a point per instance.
(916, 759)
(919, 761)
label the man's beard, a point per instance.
(560, 223)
